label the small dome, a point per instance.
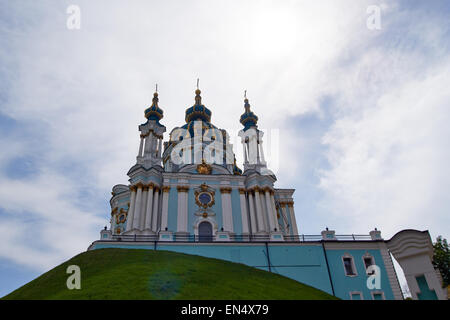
(248, 118)
(154, 112)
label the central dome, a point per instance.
(198, 111)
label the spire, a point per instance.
(198, 97)
(155, 99)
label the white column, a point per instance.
(155, 212)
(251, 205)
(165, 208)
(293, 220)
(283, 209)
(149, 209)
(274, 208)
(261, 152)
(264, 210)
(227, 212)
(141, 145)
(259, 211)
(143, 208)
(159, 149)
(257, 148)
(137, 208)
(148, 143)
(245, 152)
(130, 214)
(244, 214)
(270, 212)
(182, 218)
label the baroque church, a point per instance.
(193, 188)
(188, 194)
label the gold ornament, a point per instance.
(204, 168)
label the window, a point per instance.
(368, 261)
(349, 265)
(378, 295)
(356, 295)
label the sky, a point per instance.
(361, 113)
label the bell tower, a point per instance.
(251, 138)
(150, 147)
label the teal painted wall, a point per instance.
(217, 208)
(236, 207)
(172, 210)
(192, 208)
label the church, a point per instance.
(188, 194)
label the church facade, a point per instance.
(189, 195)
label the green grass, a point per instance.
(148, 274)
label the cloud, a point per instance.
(387, 146)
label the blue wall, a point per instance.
(344, 284)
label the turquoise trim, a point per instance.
(425, 292)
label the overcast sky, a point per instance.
(362, 114)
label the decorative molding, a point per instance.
(267, 189)
(139, 185)
(122, 217)
(289, 203)
(183, 188)
(225, 190)
(242, 191)
(204, 189)
(204, 168)
(164, 188)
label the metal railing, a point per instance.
(238, 238)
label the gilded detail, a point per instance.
(182, 188)
(225, 190)
(204, 168)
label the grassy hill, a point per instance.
(147, 274)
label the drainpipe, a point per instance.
(328, 267)
(268, 257)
